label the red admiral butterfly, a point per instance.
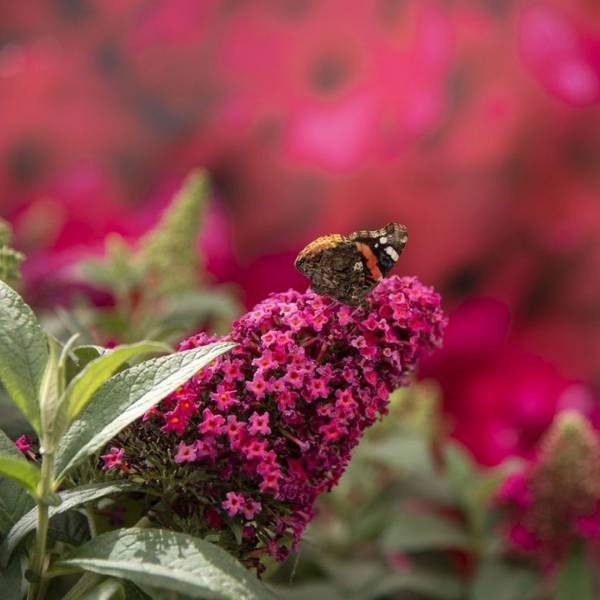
(348, 267)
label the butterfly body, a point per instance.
(348, 267)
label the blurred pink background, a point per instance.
(477, 124)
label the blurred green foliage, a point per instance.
(158, 286)
(167, 254)
(10, 259)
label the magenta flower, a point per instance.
(251, 508)
(233, 504)
(22, 443)
(224, 398)
(185, 453)
(259, 424)
(258, 386)
(255, 449)
(212, 424)
(205, 449)
(113, 459)
(174, 421)
(276, 419)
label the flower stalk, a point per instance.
(553, 503)
(39, 562)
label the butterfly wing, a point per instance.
(335, 268)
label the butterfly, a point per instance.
(348, 267)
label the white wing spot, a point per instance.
(383, 240)
(391, 253)
(358, 266)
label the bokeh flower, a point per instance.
(498, 398)
(274, 422)
(562, 54)
(554, 500)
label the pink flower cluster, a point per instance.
(555, 499)
(273, 423)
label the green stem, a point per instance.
(38, 562)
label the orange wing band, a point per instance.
(371, 260)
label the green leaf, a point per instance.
(188, 310)
(14, 500)
(21, 471)
(575, 578)
(410, 532)
(500, 580)
(409, 453)
(69, 500)
(313, 590)
(95, 374)
(126, 397)
(12, 582)
(133, 592)
(110, 589)
(66, 352)
(426, 583)
(71, 528)
(81, 356)
(51, 398)
(7, 446)
(23, 354)
(167, 560)
(472, 489)
(88, 352)
(14, 503)
(153, 593)
(12, 420)
(349, 574)
(460, 469)
(82, 586)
